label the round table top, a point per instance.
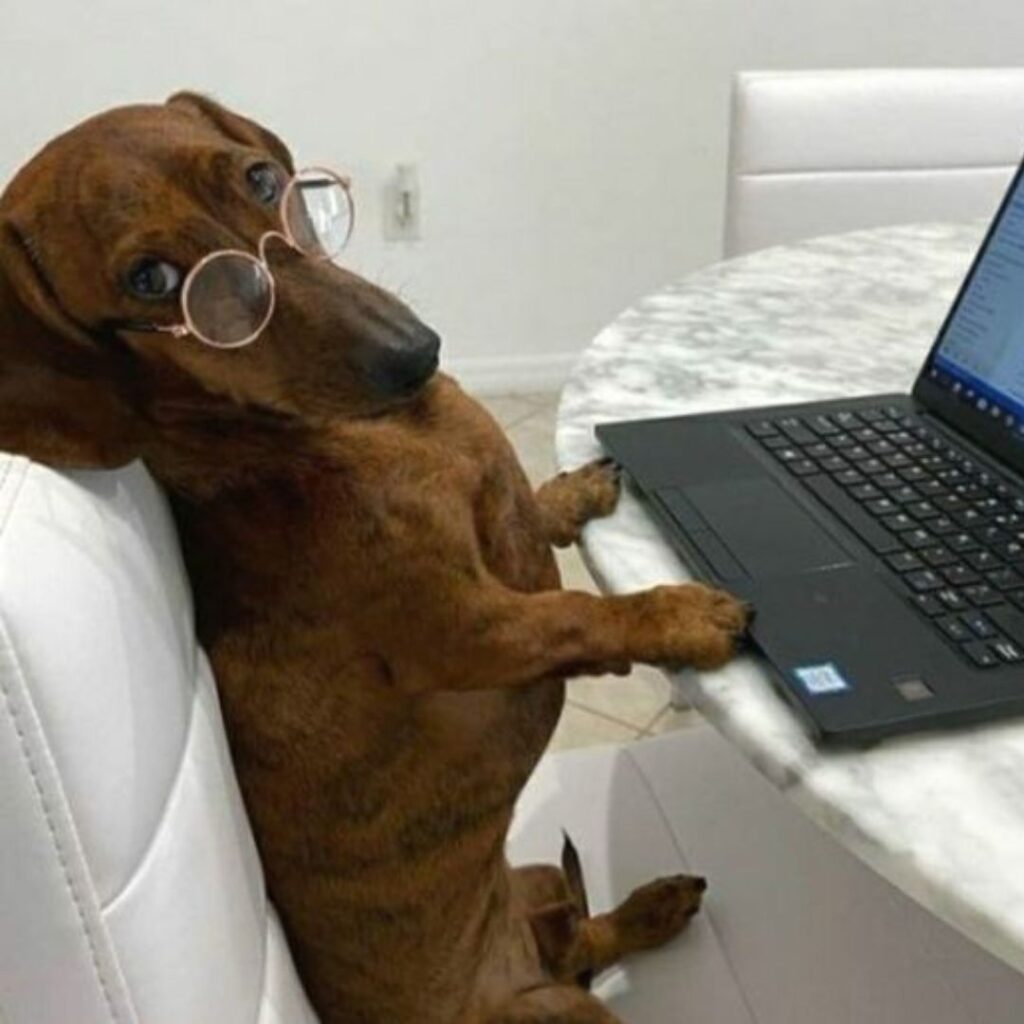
(940, 815)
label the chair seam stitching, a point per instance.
(48, 817)
(686, 862)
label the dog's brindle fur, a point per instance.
(373, 575)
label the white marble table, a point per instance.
(941, 816)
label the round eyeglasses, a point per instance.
(227, 298)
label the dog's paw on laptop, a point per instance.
(691, 625)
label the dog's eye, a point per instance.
(264, 181)
(151, 278)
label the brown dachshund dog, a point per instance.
(373, 575)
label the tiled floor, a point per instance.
(607, 709)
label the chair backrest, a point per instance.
(817, 152)
(130, 887)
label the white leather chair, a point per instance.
(130, 887)
(817, 152)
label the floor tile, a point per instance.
(637, 699)
(581, 728)
(534, 441)
(510, 409)
(672, 719)
(605, 709)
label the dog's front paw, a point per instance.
(571, 500)
(600, 485)
(691, 625)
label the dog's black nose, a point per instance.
(403, 362)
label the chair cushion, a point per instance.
(130, 887)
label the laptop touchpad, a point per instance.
(765, 529)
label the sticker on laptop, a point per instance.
(819, 679)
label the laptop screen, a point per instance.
(979, 357)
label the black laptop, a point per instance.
(880, 539)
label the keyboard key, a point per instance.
(1006, 579)
(951, 599)
(882, 447)
(898, 461)
(900, 521)
(942, 525)
(872, 466)
(802, 467)
(981, 654)
(795, 430)
(775, 442)
(1010, 551)
(922, 510)
(881, 506)
(924, 580)
(818, 451)
(848, 477)
(961, 575)
(962, 542)
(904, 561)
(847, 420)
(930, 488)
(788, 454)
(968, 517)
(1007, 650)
(904, 494)
(822, 426)
(912, 474)
(982, 560)
(833, 464)
(917, 538)
(856, 453)
(979, 624)
(762, 429)
(938, 556)
(954, 628)
(928, 604)
(982, 595)
(865, 492)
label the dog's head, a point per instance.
(99, 231)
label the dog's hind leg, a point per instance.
(572, 946)
(571, 500)
(554, 1004)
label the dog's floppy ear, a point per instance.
(62, 400)
(233, 126)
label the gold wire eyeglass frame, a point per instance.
(188, 325)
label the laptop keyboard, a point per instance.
(946, 526)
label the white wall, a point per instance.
(571, 152)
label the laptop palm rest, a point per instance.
(750, 527)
